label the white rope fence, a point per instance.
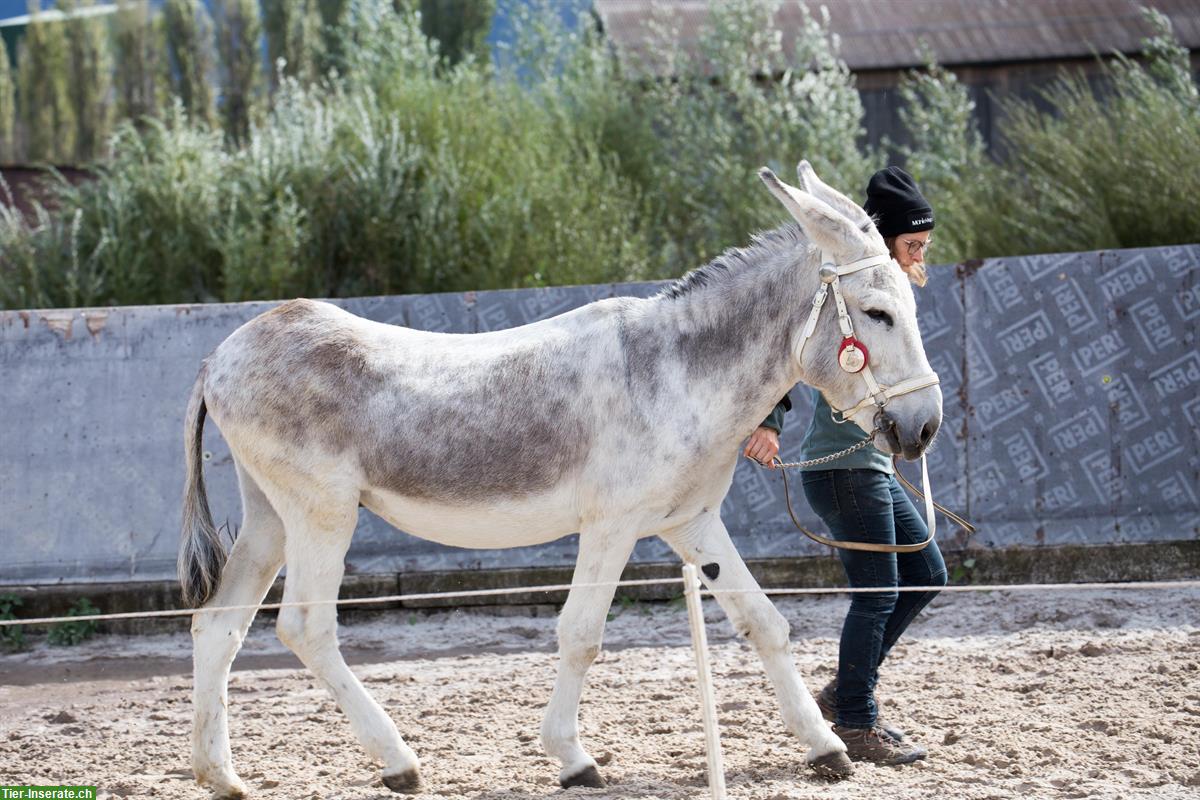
(692, 592)
(563, 587)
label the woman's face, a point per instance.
(909, 248)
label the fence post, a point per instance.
(712, 736)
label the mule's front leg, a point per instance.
(705, 542)
(603, 551)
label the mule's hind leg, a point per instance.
(603, 551)
(318, 534)
(252, 565)
(705, 542)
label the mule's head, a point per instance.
(882, 310)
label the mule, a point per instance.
(618, 420)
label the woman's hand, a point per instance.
(763, 446)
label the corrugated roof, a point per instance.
(887, 34)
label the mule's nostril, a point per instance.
(927, 433)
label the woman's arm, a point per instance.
(763, 445)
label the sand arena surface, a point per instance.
(1017, 695)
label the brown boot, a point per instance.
(874, 745)
(827, 702)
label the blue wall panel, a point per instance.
(1072, 416)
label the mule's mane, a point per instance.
(723, 268)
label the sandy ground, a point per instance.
(1016, 695)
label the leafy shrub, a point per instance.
(11, 637)
(88, 63)
(1111, 167)
(1102, 168)
(946, 155)
(693, 144)
(43, 91)
(66, 634)
(8, 107)
(403, 171)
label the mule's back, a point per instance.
(450, 417)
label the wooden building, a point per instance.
(998, 48)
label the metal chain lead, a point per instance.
(813, 462)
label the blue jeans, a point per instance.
(867, 505)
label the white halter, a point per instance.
(877, 393)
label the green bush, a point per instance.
(89, 68)
(946, 156)
(67, 634)
(189, 46)
(691, 145)
(139, 76)
(239, 28)
(8, 107)
(11, 638)
(1108, 165)
(403, 171)
(395, 178)
(293, 31)
(459, 26)
(1113, 166)
(43, 101)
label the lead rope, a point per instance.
(871, 547)
(955, 518)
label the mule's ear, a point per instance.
(806, 176)
(818, 188)
(821, 223)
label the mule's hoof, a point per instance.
(835, 766)
(226, 787)
(589, 777)
(407, 782)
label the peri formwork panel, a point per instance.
(1071, 388)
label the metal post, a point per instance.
(712, 736)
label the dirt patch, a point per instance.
(1016, 695)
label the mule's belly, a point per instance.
(489, 525)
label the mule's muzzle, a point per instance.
(907, 440)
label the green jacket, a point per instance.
(824, 437)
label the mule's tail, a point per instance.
(201, 552)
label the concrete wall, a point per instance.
(1072, 413)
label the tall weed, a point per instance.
(1106, 166)
(404, 170)
(946, 156)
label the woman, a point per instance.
(858, 498)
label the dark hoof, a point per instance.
(403, 782)
(833, 766)
(589, 777)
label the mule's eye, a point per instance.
(880, 316)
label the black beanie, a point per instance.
(897, 204)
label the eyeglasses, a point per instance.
(916, 247)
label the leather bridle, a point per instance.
(853, 357)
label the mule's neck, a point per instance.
(732, 325)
